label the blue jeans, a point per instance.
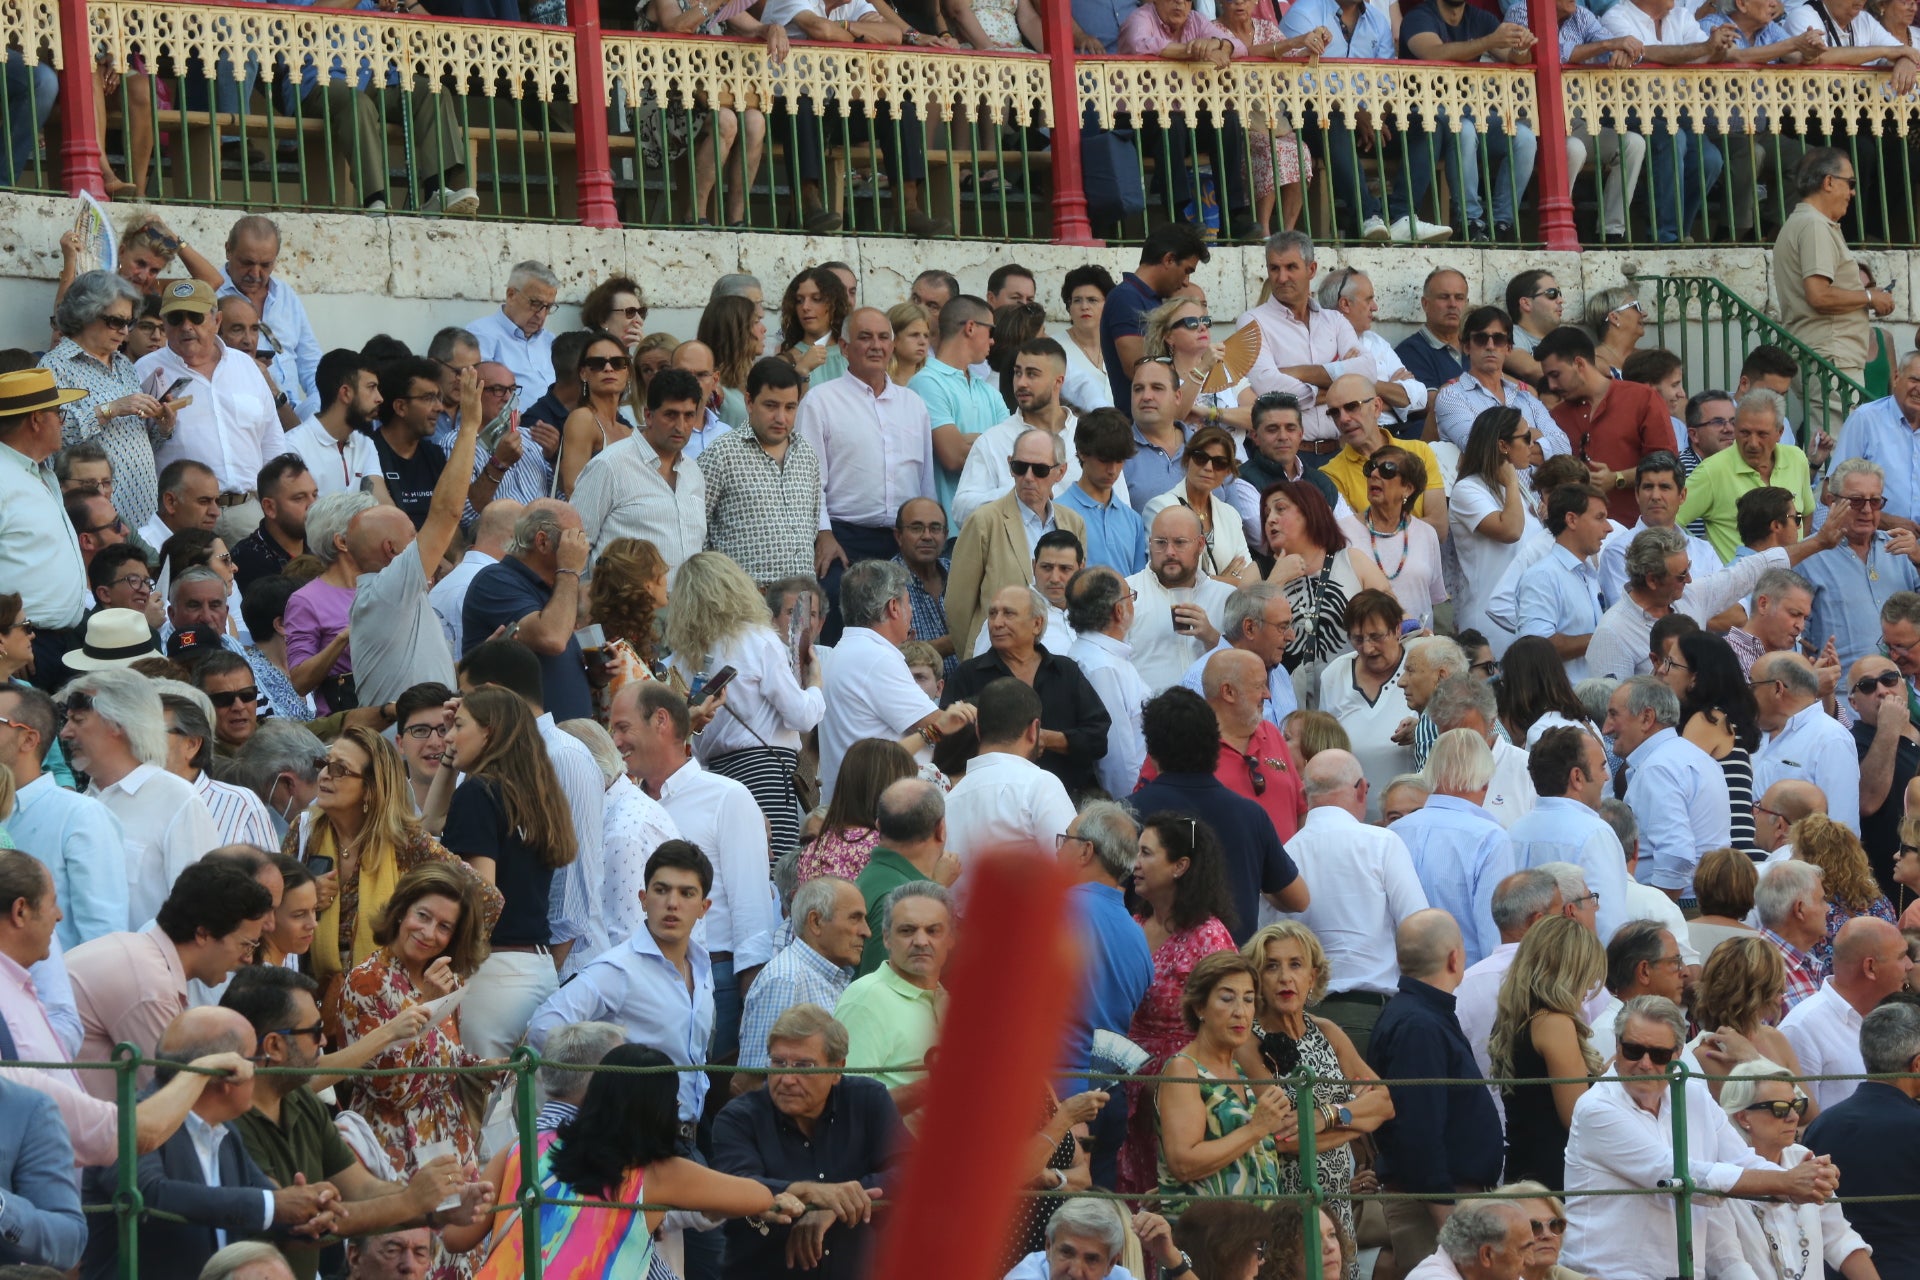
(1510, 155)
(30, 91)
(1675, 212)
(727, 1008)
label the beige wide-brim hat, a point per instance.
(116, 638)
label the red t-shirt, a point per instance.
(1281, 795)
(1631, 422)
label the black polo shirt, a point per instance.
(259, 555)
(1069, 704)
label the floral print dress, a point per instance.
(1158, 1028)
(840, 853)
(411, 1110)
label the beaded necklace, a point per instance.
(1760, 1215)
(1373, 545)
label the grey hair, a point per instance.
(1775, 583)
(1058, 439)
(279, 746)
(909, 811)
(526, 272)
(180, 689)
(1855, 467)
(1085, 1218)
(804, 1021)
(187, 577)
(846, 326)
(1602, 304)
(227, 1263)
(1298, 241)
(1761, 400)
(1247, 604)
(1570, 878)
(1338, 286)
(1795, 674)
(1418, 781)
(1114, 835)
(1736, 1094)
(1594, 693)
(1626, 828)
(1037, 602)
(868, 588)
(786, 875)
(1442, 653)
(579, 1044)
(1890, 1038)
(129, 702)
(1330, 771)
(328, 518)
(1901, 606)
(252, 224)
(600, 743)
(734, 284)
(1474, 1226)
(1784, 884)
(1090, 604)
(1455, 696)
(533, 522)
(1525, 893)
(913, 889)
(815, 898)
(1650, 693)
(449, 340)
(1460, 761)
(88, 298)
(1815, 168)
(1652, 1009)
(1647, 553)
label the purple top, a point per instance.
(316, 613)
(1143, 32)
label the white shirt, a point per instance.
(1558, 829)
(766, 705)
(1614, 1144)
(531, 359)
(573, 901)
(338, 466)
(231, 426)
(1385, 358)
(1829, 1234)
(39, 551)
(449, 597)
(1483, 559)
(876, 450)
(1678, 27)
(782, 13)
(636, 825)
(1035, 1265)
(1476, 1004)
(1086, 387)
(1813, 745)
(167, 830)
(1005, 801)
(1702, 560)
(721, 816)
(1644, 902)
(206, 1139)
(985, 476)
(1824, 1031)
(1362, 885)
(1510, 794)
(869, 694)
(1435, 1266)
(1864, 31)
(1620, 643)
(1160, 655)
(621, 494)
(1108, 666)
(1369, 726)
(237, 813)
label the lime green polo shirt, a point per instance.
(890, 1022)
(1716, 485)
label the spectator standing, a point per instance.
(960, 404)
(645, 486)
(1100, 609)
(997, 545)
(1871, 1134)
(920, 529)
(1677, 792)
(253, 250)
(1802, 740)
(910, 822)
(1490, 337)
(1853, 580)
(764, 504)
(1168, 257)
(1007, 803)
(1882, 432)
(1870, 962)
(1115, 534)
(1073, 721)
(1432, 352)
(1490, 513)
(1355, 410)
(1362, 689)
(41, 1224)
(1611, 424)
(336, 440)
(287, 490)
(1888, 743)
(1757, 459)
(1568, 767)
(1304, 344)
(1791, 905)
(39, 551)
(1685, 165)
(1255, 761)
(893, 1014)
(1403, 397)
(492, 533)
(1821, 300)
(1038, 378)
(1559, 597)
(534, 592)
(830, 932)
(1659, 489)
(1459, 851)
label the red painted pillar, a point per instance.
(1070, 225)
(1556, 191)
(79, 126)
(590, 151)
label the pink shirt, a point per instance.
(316, 613)
(92, 1125)
(128, 987)
(1143, 32)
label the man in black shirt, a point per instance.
(410, 395)
(286, 490)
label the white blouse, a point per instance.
(1792, 1241)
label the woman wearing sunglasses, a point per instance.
(1210, 466)
(1547, 1216)
(1618, 320)
(1405, 549)
(1490, 513)
(1785, 1241)
(605, 371)
(1906, 876)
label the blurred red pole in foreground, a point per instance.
(1015, 982)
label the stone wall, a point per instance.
(409, 276)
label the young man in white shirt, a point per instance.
(1006, 801)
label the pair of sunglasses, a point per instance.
(1387, 470)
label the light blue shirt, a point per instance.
(1560, 596)
(1458, 403)
(1460, 853)
(1848, 593)
(1101, 19)
(1581, 27)
(296, 352)
(1557, 829)
(1116, 535)
(531, 359)
(710, 429)
(1679, 798)
(1281, 702)
(797, 975)
(1151, 472)
(80, 841)
(637, 988)
(1880, 432)
(1372, 34)
(954, 397)
(1813, 746)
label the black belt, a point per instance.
(1356, 997)
(235, 499)
(720, 955)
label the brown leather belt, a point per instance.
(235, 499)
(1321, 447)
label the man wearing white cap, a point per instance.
(39, 551)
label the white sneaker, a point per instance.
(1402, 232)
(375, 209)
(1374, 228)
(463, 202)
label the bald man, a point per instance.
(1870, 963)
(1355, 409)
(1254, 758)
(1802, 740)
(697, 359)
(1177, 613)
(1778, 808)
(491, 534)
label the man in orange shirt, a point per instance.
(1610, 424)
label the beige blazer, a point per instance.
(991, 553)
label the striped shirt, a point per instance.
(238, 813)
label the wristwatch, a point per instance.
(1185, 1268)
(1345, 1116)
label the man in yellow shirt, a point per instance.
(1756, 459)
(1355, 409)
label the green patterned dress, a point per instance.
(1229, 1106)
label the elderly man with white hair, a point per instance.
(1428, 661)
(1086, 1237)
(1677, 792)
(1459, 851)
(1363, 884)
(517, 335)
(1622, 1140)
(116, 731)
(1467, 702)
(1802, 741)
(1486, 1241)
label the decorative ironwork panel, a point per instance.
(1841, 100)
(34, 24)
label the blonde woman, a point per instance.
(1540, 1033)
(1548, 1215)
(1740, 990)
(912, 339)
(1181, 330)
(721, 622)
(1845, 876)
(1308, 733)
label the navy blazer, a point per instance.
(41, 1222)
(170, 1181)
(1874, 1139)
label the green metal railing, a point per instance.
(1712, 328)
(130, 1209)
